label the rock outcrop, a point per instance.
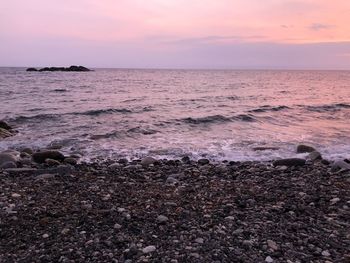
(71, 68)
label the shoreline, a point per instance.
(175, 211)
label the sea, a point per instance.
(214, 114)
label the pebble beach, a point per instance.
(55, 208)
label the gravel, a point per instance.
(233, 212)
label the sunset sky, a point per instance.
(295, 34)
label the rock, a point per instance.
(268, 259)
(272, 244)
(313, 156)
(27, 150)
(117, 226)
(44, 176)
(70, 160)
(24, 155)
(114, 166)
(149, 249)
(334, 200)
(71, 68)
(265, 148)
(15, 195)
(31, 69)
(302, 148)
(199, 240)
(338, 165)
(52, 162)
(326, 253)
(8, 165)
(148, 161)
(40, 157)
(162, 219)
(203, 161)
(7, 157)
(5, 126)
(45, 235)
(186, 159)
(5, 133)
(290, 162)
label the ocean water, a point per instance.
(218, 114)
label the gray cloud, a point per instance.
(319, 26)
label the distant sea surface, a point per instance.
(217, 114)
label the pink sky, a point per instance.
(176, 33)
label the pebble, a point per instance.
(229, 218)
(199, 240)
(149, 249)
(117, 226)
(272, 244)
(45, 235)
(162, 219)
(268, 259)
(15, 195)
(326, 253)
(334, 200)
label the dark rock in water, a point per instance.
(5, 133)
(340, 165)
(313, 156)
(289, 162)
(69, 69)
(5, 126)
(40, 157)
(265, 148)
(31, 69)
(7, 157)
(302, 148)
(203, 161)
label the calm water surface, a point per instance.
(220, 114)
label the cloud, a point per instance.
(319, 26)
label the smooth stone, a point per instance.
(148, 161)
(7, 157)
(45, 176)
(24, 155)
(149, 249)
(268, 259)
(114, 166)
(338, 165)
(162, 219)
(40, 157)
(302, 148)
(290, 162)
(8, 165)
(27, 150)
(203, 161)
(70, 160)
(313, 156)
(52, 162)
(272, 244)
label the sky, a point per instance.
(238, 34)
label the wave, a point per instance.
(267, 108)
(53, 116)
(328, 108)
(207, 119)
(102, 111)
(218, 119)
(59, 90)
(36, 117)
